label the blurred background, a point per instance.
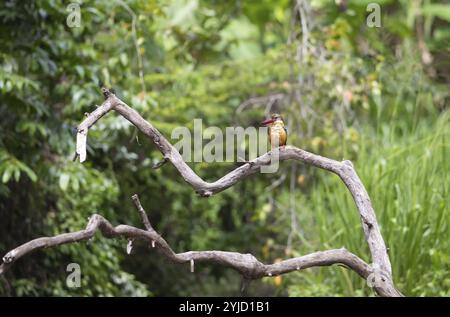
(378, 96)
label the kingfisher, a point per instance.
(277, 130)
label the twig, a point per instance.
(142, 213)
(136, 44)
(344, 170)
(245, 264)
(160, 163)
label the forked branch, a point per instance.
(245, 264)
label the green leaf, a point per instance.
(23, 167)
(64, 181)
(6, 175)
(16, 175)
(439, 10)
(183, 11)
(30, 173)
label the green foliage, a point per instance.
(360, 93)
(410, 197)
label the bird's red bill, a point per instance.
(267, 121)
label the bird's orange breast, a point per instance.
(277, 133)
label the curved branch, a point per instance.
(344, 170)
(246, 264)
(170, 153)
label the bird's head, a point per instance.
(273, 118)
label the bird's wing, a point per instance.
(285, 130)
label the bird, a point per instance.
(277, 131)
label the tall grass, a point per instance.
(407, 177)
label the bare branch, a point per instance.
(255, 101)
(90, 120)
(142, 212)
(160, 163)
(344, 170)
(245, 264)
(171, 154)
(136, 42)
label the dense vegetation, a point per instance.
(377, 96)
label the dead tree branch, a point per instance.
(343, 169)
(246, 264)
